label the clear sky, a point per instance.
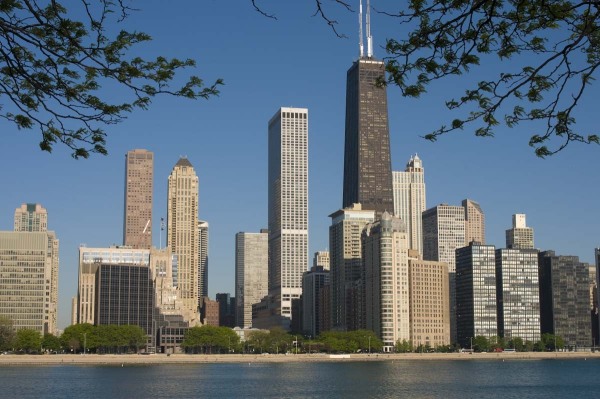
(293, 61)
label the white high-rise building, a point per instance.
(385, 249)
(31, 217)
(203, 259)
(321, 258)
(443, 233)
(251, 274)
(182, 231)
(288, 206)
(345, 241)
(520, 236)
(409, 200)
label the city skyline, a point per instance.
(84, 198)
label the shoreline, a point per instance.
(156, 359)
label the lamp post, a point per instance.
(369, 345)
(471, 343)
(84, 342)
(296, 344)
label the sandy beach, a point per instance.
(192, 359)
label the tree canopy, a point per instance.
(54, 63)
(7, 333)
(549, 53)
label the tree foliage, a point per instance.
(210, 339)
(54, 65)
(549, 52)
(51, 343)
(28, 340)
(7, 333)
(350, 341)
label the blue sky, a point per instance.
(293, 61)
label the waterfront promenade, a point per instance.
(133, 359)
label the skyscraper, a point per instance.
(203, 257)
(385, 249)
(346, 269)
(443, 233)
(476, 305)
(182, 230)
(409, 200)
(31, 217)
(564, 298)
(474, 222)
(137, 221)
(288, 206)
(367, 160)
(313, 282)
(34, 218)
(520, 236)
(251, 274)
(27, 291)
(518, 294)
(321, 258)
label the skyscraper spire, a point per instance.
(361, 52)
(369, 37)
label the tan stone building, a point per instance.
(429, 302)
(182, 231)
(474, 222)
(29, 271)
(137, 222)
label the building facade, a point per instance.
(476, 303)
(518, 294)
(226, 309)
(139, 182)
(182, 231)
(385, 254)
(251, 274)
(409, 200)
(288, 206)
(474, 222)
(443, 233)
(203, 260)
(321, 258)
(367, 159)
(519, 236)
(313, 282)
(429, 302)
(90, 260)
(345, 242)
(125, 296)
(564, 299)
(31, 217)
(28, 265)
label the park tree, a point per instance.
(210, 339)
(76, 336)
(403, 346)
(28, 340)
(538, 58)
(51, 342)
(7, 333)
(481, 344)
(55, 61)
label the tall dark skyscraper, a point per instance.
(367, 161)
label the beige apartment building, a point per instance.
(251, 274)
(474, 222)
(429, 302)
(29, 275)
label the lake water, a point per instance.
(398, 379)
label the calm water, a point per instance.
(401, 379)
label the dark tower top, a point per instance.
(367, 161)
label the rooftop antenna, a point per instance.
(369, 37)
(360, 31)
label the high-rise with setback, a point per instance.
(367, 160)
(29, 263)
(474, 222)
(137, 221)
(182, 230)
(251, 274)
(288, 206)
(520, 236)
(409, 200)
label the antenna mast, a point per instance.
(360, 31)
(369, 37)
